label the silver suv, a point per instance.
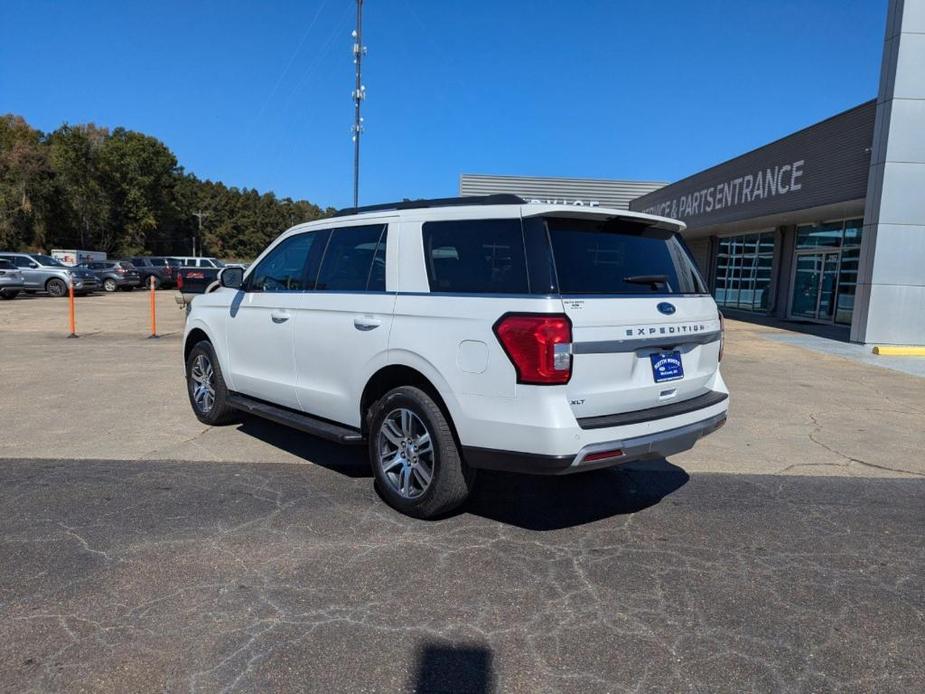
(44, 273)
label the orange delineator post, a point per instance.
(153, 312)
(70, 300)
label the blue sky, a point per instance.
(257, 94)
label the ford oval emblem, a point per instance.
(666, 308)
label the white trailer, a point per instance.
(76, 257)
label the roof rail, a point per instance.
(498, 199)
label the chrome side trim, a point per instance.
(612, 346)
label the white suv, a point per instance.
(465, 333)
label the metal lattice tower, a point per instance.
(359, 94)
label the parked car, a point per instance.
(44, 273)
(161, 268)
(191, 261)
(454, 335)
(11, 280)
(114, 274)
(192, 281)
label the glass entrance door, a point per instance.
(815, 279)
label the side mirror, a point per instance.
(33, 265)
(231, 277)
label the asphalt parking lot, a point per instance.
(140, 551)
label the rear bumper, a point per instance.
(655, 445)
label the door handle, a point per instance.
(279, 316)
(365, 323)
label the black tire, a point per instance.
(157, 282)
(451, 479)
(9, 294)
(109, 284)
(56, 287)
(127, 288)
(219, 412)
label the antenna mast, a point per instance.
(359, 93)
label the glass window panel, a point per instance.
(828, 235)
(853, 232)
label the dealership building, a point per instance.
(825, 226)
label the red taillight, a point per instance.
(179, 280)
(722, 335)
(120, 269)
(538, 345)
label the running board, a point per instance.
(297, 420)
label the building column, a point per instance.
(890, 298)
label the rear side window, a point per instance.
(283, 270)
(6, 265)
(620, 257)
(354, 260)
(476, 256)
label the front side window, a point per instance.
(283, 270)
(476, 256)
(47, 260)
(617, 256)
(354, 260)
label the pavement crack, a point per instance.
(848, 458)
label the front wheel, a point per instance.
(56, 287)
(414, 456)
(206, 386)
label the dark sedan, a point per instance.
(114, 274)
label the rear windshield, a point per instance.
(620, 257)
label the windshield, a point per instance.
(620, 257)
(47, 260)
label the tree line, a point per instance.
(123, 192)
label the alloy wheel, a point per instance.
(202, 383)
(406, 453)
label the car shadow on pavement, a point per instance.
(465, 669)
(532, 502)
(536, 502)
(351, 461)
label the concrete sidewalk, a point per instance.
(113, 394)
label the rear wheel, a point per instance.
(109, 284)
(206, 386)
(56, 287)
(157, 281)
(414, 456)
(9, 294)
